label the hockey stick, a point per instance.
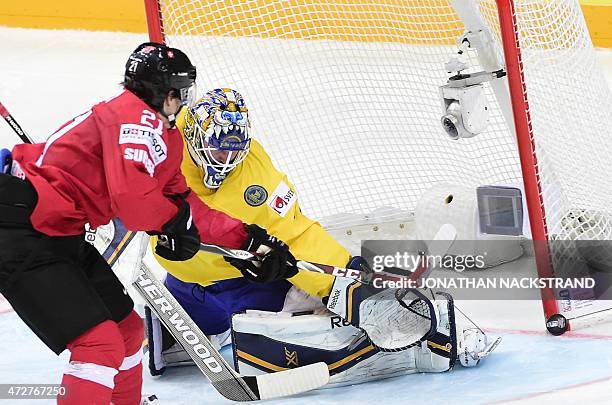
(14, 124)
(439, 245)
(226, 381)
(302, 265)
(221, 375)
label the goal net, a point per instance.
(344, 95)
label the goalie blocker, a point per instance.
(265, 342)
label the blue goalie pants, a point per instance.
(211, 307)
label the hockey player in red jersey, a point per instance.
(120, 159)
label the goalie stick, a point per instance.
(439, 245)
(358, 275)
(224, 379)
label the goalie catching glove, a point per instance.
(180, 239)
(276, 263)
(409, 317)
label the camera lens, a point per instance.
(449, 123)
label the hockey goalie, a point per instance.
(290, 318)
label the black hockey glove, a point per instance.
(277, 263)
(180, 239)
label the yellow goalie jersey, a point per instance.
(256, 193)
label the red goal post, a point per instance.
(526, 148)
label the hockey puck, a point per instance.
(557, 325)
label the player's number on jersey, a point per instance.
(150, 119)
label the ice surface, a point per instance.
(525, 367)
(49, 76)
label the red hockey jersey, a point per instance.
(115, 160)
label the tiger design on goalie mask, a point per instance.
(217, 133)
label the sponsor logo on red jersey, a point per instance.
(139, 155)
(142, 135)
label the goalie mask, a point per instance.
(217, 134)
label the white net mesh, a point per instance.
(344, 96)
